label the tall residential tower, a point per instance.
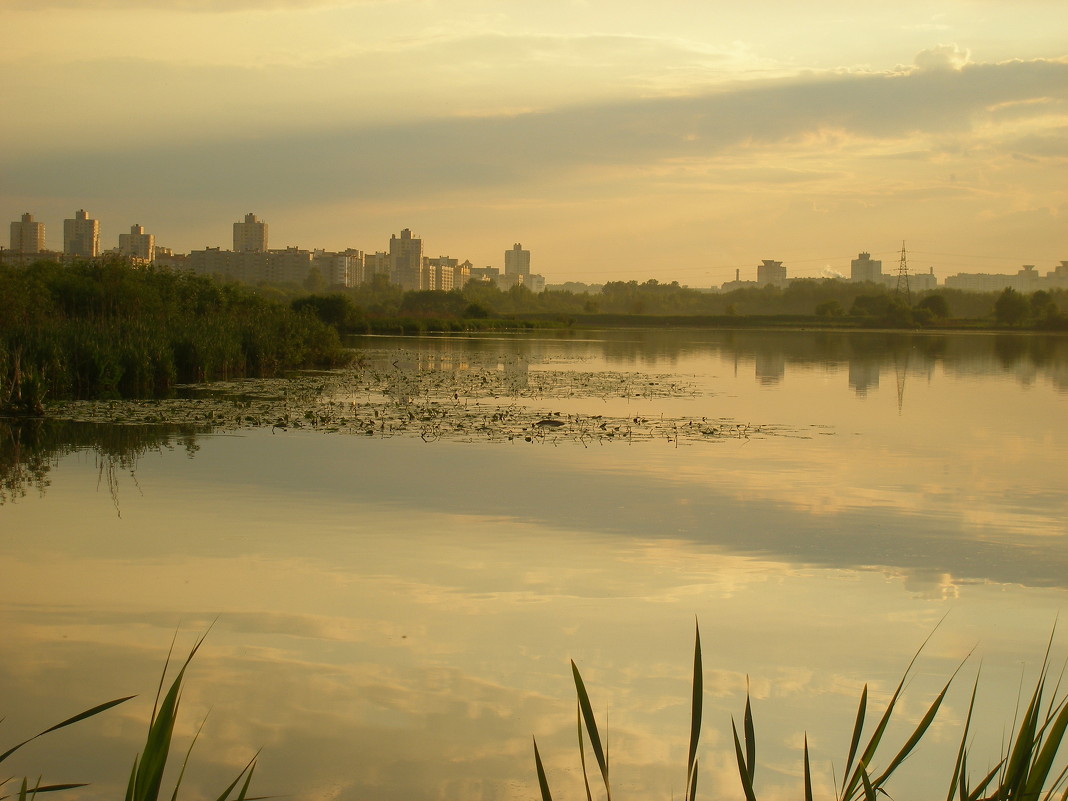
(250, 236)
(27, 236)
(137, 244)
(81, 236)
(517, 261)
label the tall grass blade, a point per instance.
(917, 735)
(543, 782)
(981, 787)
(1016, 768)
(148, 774)
(591, 728)
(1042, 765)
(750, 738)
(696, 709)
(582, 750)
(854, 742)
(808, 773)
(693, 783)
(959, 766)
(88, 713)
(869, 791)
(246, 772)
(743, 769)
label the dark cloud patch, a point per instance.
(404, 160)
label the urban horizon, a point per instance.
(764, 272)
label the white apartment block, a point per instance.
(27, 236)
(517, 261)
(250, 236)
(137, 245)
(81, 236)
(406, 261)
(865, 268)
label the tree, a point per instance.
(1010, 308)
(829, 308)
(936, 305)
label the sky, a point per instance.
(683, 140)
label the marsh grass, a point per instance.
(111, 330)
(146, 777)
(1028, 769)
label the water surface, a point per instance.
(396, 611)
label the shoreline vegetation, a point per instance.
(113, 330)
(1028, 768)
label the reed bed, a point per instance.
(1028, 769)
(145, 782)
(111, 330)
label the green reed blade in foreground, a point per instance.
(591, 728)
(696, 707)
(543, 782)
(808, 773)
(88, 713)
(743, 769)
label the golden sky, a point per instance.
(679, 140)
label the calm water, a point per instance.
(396, 616)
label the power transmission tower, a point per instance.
(903, 277)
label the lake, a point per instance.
(401, 560)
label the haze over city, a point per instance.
(616, 140)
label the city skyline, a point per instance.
(404, 259)
(677, 144)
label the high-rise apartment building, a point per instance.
(27, 236)
(81, 236)
(250, 236)
(137, 244)
(771, 272)
(864, 268)
(517, 261)
(406, 261)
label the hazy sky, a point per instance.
(677, 140)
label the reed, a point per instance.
(111, 330)
(146, 777)
(1028, 770)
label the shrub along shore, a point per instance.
(108, 329)
(111, 330)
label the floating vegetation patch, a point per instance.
(399, 393)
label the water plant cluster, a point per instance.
(1027, 770)
(390, 393)
(112, 330)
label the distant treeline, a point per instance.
(381, 307)
(108, 330)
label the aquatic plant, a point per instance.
(111, 330)
(146, 777)
(1027, 771)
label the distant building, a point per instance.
(441, 272)
(517, 261)
(1027, 279)
(339, 269)
(737, 283)
(485, 274)
(27, 236)
(406, 261)
(865, 268)
(81, 236)
(771, 272)
(375, 264)
(250, 236)
(137, 245)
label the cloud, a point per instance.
(196, 6)
(943, 57)
(421, 156)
